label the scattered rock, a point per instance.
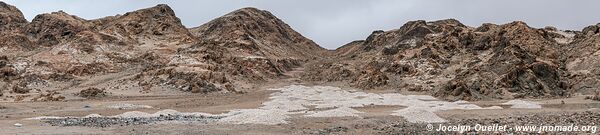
(370, 79)
(21, 88)
(92, 93)
(88, 69)
(49, 96)
(561, 119)
(331, 130)
(56, 27)
(595, 97)
(111, 121)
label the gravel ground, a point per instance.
(579, 119)
(110, 121)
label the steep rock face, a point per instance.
(523, 62)
(150, 49)
(349, 49)
(452, 61)
(254, 32)
(255, 44)
(10, 16)
(582, 60)
(156, 24)
(56, 27)
(12, 37)
(139, 49)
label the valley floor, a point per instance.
(289, 107)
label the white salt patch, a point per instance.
(45, 117)
(256, 116)
(335, 102)
(461, 102)
(133, 114)
(419, 115)
(523, 104)
(167, 112)
(128, 106)
(93, 116)
(295, 99)
(493, 107)
(337, 112)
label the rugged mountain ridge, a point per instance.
(147, 50)
(12, 36)
(453, 61)
(255, 44)
(254, 32)
(582, 60)
(10, 16)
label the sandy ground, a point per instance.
(372, 119)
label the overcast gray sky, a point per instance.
(332, 23)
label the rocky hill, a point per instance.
(453, 61)
(255, 44)
(251, 32)
(582, 60)
(149, 51)
(56, 55)
(12, 36)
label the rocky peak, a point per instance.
(532, 40)
(450, 22)
(516, 28)
(582, 60)
(243, 22)
(10, 16)
(412, 25)
(53, 28)
(486, 27)
(157, 23)
(589, 31)
(257, 32)
(158, 11)
(411, 33)
(11, 28)
(518, 24)
(479, 63)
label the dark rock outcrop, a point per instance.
(453, 61)
(251, 31)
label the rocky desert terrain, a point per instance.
(248, 72)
